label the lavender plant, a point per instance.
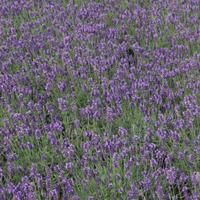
(99, 100)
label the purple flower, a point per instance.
(159, 191)
(171, 175)
(62, 104)
(62, 86)
(195, 179)
(69, 167)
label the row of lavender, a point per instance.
(99, 100)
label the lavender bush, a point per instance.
(99, 100)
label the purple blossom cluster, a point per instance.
(99, 100)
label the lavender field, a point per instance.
(100, 100)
